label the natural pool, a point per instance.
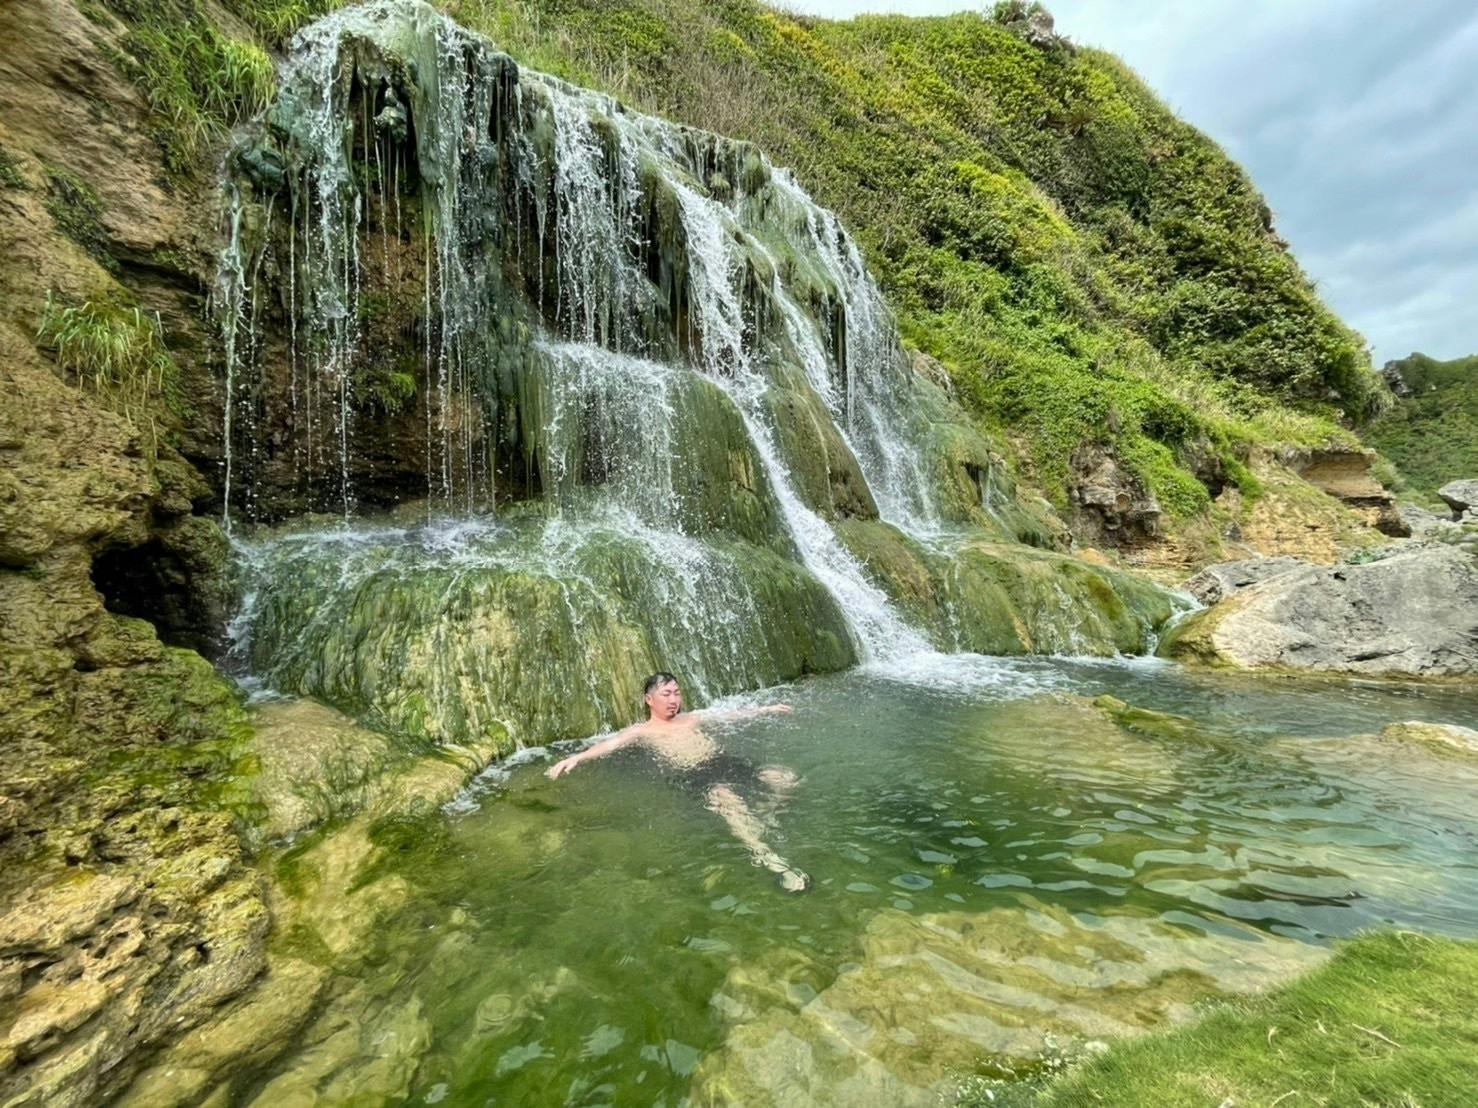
(1002, 871)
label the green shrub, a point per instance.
(1432, 435)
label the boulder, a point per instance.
(1461, 496)
(1215, 583)
(1410, 614)
(1418, 520)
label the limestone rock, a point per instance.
(1418, 520)
(1413, 614)
(1220, 581)
(1345, 475)
(1461, 496)
(1110, 504)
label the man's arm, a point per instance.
(595, 750)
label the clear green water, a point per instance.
(1000, 871)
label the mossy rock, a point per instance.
(1000, 598)
(537, 645)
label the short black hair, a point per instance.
(656, 681)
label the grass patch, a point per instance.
(10, 171)
(116, 352)
(198, 82)
(1392, 1019)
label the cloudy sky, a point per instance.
(1358, 119)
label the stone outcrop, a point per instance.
(129, 911)
(1413, 613)
(1345, 475)
(1215, 583)
(1461, 497)
(1110, 506)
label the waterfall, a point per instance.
(640, 354)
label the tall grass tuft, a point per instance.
(114, 351)
(198, 82)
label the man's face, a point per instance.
(665, 701)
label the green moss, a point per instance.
(10, 171)
(1392, 1019)
(404, 839)
(78, 214)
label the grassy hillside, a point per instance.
(1432, 433)
(1087, 266)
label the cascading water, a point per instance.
(449, 282)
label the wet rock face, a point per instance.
(1412, 614)
(429, 245)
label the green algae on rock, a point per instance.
(388, 629)
(989, 597)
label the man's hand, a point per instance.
(783, 709)
(563, 766)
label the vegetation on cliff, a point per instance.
(1431, 432)
(1089, 268)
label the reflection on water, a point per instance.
(999, 865)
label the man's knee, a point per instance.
(777, 777)
(721, 797)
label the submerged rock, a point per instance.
(1445, 738)
(1413, 613)
(946, 993)
(1146, 721)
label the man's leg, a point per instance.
(730, 807)
(778, 781)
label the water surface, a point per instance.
(1001, 872)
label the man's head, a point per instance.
(663, 698)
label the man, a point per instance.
(686, 753)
